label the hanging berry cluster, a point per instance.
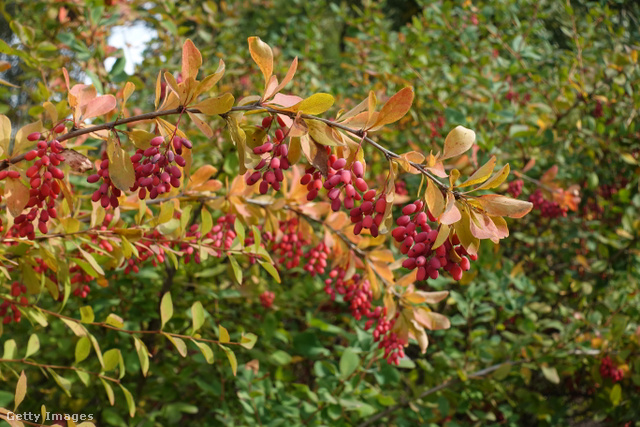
(607, 370)
(547, 208)
(269, 171)
(416, 238)
(44, 176)
(17, 289)
(357, 292)
(157, 168)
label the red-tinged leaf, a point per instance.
(549, 175)
(451, 213)
(100, 106)
(289, 76)
(430, 320)
(218, 105)
(285, 101)
(263, 56)
(191, 60)
(481, 174)
(322, 133)
(432, 297)
(457, 142)
(435, 199)
(83, 94)
(497, 205)
(16, 195)
(357, 109)
(395, 108)
(420, 335)
(482, 227)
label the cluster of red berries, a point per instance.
(223, 233)
(401, 188)
(267, 298)
(192, 234)
(155, 170)
(547, 208)
(607, 370)
(436, 126)
(157, 255)
(274, 159)
(316, 259)
(358, 294)
(417, 238)
(79, 279)
(598, 110)
(287, 250)
(515, 188)
(45, 188)
(514, 96)
(17, 289)
(108, 193)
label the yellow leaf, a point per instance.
(218, 105)
(120, 167)
(201, 124)
(322, 133)
(209, 81)
(21, 142)
(481, 174)
(158, 89)
(140, 138)
(434, 198)
(443, 233)
(224, 334)
(457, 142)
(315, 104)
(496, 205)
(5, 134)
(463, 231)
(263, 56)
(127, 91)
(191, 60)
(496, 179)
(395, 108)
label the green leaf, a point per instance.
(349, 362)
(131, 404)
(232, 358)
(92, 261)
(111, 359)
(248, 340)
(551, 374)
(206, 351)
(281, 358)
(615, 395)
(114, 320)
(83, 348)
(271, 270)
(224, 334)
(166, 308)
(86, 314)
(64, 383)
(33, 346)
(178, 343)
(9, 349)
(109, 391)
(237, 271)
(143, 355)
(197, 314)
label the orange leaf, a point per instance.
(434, 198)
(481, 174)
(430, 320)
(191, 60)
(395, 108)
(200, 176)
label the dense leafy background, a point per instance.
(550, 302)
